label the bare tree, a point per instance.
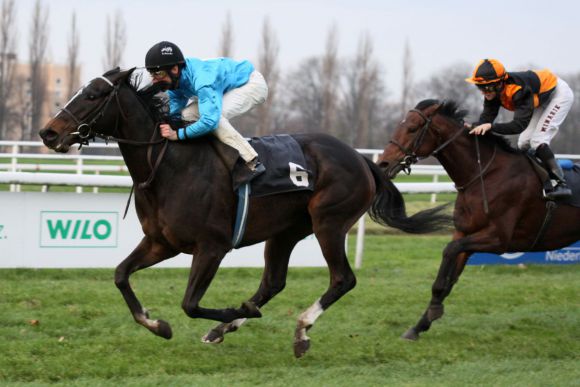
(449, 83)
(363, 98)
(38, 78)
(73, 69)
(303, 99)
(115, 41)
(227, 38)
(7, 61)
(330, 82)
(407, 86)
(268, 66)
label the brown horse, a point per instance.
(499, 207)
(188, 205)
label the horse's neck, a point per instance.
(139, 126)
(460, 158)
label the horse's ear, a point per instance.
(117, 74)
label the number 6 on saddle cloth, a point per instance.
(286, 171)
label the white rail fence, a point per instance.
(16, 173)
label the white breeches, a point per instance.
(235, 102)
(546, 120)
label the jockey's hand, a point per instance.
(168, 132)
(480, 129)
(467, 126)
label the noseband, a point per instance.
(411, 157)
(85, 129)
(86, 132)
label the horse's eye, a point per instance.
(91, 97)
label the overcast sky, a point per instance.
(440, 33)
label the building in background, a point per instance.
(20, 101)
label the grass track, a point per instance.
(504, 326)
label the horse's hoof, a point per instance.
(164, 329)
(435, 312)
(411, 335)
(251, 310)
(301, 347)
(213, 337)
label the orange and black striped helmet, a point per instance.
(487, 71)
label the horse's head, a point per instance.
(418, 136)
(88, 112)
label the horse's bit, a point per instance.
(410, 154)
(85, 130)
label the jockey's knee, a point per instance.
(525, 146)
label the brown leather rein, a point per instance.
(86, 132)
(411, 157)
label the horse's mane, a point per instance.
(451, 110)
(149, 94)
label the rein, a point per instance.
(411, 157)
(86, 132)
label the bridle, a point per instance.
(86, 132)
(411, 157)
(85, 129)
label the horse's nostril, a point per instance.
(48, 134)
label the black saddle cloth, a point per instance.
(286, 169)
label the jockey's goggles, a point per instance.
(159, 74)
(490, 87)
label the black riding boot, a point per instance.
(561, 189)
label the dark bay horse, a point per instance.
(499, 206)
(188, 205)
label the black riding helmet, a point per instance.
(163, 55)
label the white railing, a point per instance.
(81, 168)
(15, 176)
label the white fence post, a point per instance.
(79, 172)
(13, 165)
(360, 242)
(434, 195)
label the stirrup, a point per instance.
(560, 191)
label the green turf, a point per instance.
(504, 326)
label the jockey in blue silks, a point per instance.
(209, 92)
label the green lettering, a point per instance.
(106, 233)
(85, 234)
(58, 228)
(76, 230)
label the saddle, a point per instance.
(285, 172)
(571, 174)
(286, 169)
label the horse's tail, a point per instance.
(388, 208)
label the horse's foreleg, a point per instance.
(449, 272)
(203, 269)
(455, 257)
(146, 254)
(277, 256)
(342, 280)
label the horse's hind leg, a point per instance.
(277, 256)
(342, 280)
(146, 254)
